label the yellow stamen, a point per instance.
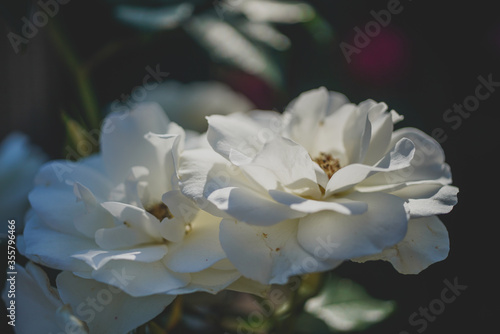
(327, 163)
(160, 211)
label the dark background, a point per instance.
(426, 60)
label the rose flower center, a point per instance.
(160, 211)
(327, 163)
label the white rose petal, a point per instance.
(106, 309)
(425, 243)
(36, 302)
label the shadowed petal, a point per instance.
(425, 243)
(113, 311)
(383, 225)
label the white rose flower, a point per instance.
(77, 305)
(119, 218)
(325, 182)
(19, 162)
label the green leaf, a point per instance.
(154, 328)
(81, 142)
(246, 325)
(308, 323)
(264, 33)
(86, 92)
(226, 44)
(276, 11)
(345, 306)
(152, 19)
(320, 30)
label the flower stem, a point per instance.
(310, 286)
(175, 314)
(111, 49)
(82, 81)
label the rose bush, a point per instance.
(258, 198)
